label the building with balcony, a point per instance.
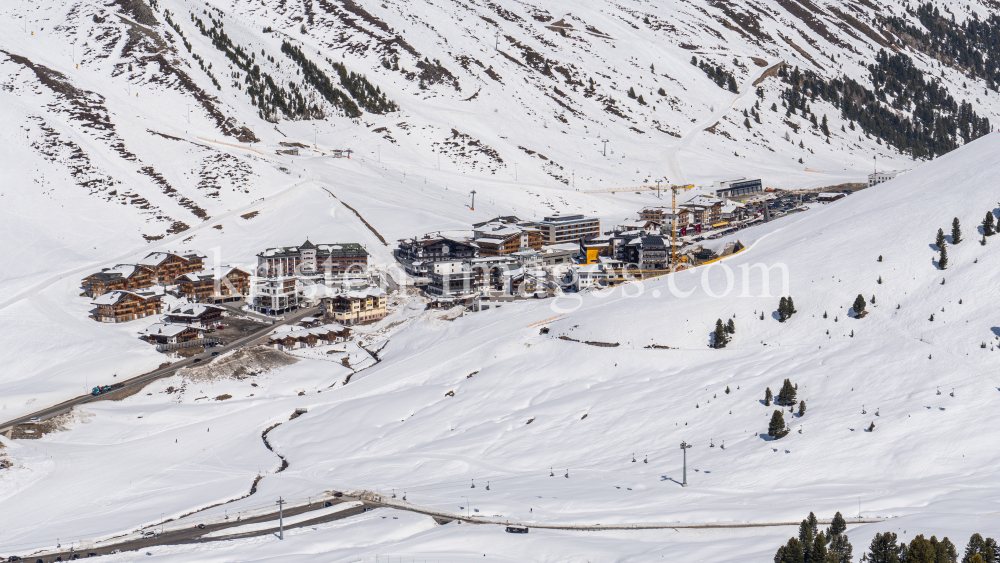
(560, 228)
(124, 306)
(355, 307)
(217, 286)
(310, 260)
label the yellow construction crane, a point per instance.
(673, 220)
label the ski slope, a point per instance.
(394, 428)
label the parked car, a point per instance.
(196, 360)
(201, 526)
(517, 529)
(215, 353)
(34, 420)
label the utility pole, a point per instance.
(658, 189)
(605, 147)
(473, 206)
(684, 448)
(281, 519)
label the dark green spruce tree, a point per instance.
(839, 549)
(956, 231)
(720, 338)
(939, 239)
(943, 259)
(731, 327)
(988, 224)
(859, 304)
(783, 310)
(768, 397)
(986, 549)
(786, 396)
(791, 552)
(791, 306)
(776, 428)
(883, 549)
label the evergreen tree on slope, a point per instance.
(786, 396)
(776, 428)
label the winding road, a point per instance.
(145, 378)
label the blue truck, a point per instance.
(100, 390)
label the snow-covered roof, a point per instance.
(191, 310)
(112, 297)
(165, 329)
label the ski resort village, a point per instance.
(357, 281)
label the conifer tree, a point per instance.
(802, 408)
(720, 337)
(806, 538)
(731, 327)
(782, 310)
(939, 239)
(956, 231)
(943, 259)
(837, 526)
(777, 428)
(791, 552)
(986, 550)
(791, 306)
(746, 122)
(768, 397)
(839, 550)
(988, 224)
(859, 304)
(819, 552)
(883, 549)
(786, 396)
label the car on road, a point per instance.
(148, 534)
(215, 353)
(34, 420)
(201, 526)
(517, 529)
(196, 360)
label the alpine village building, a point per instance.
(309, 259)
(354, 307)
(124, 306)
(226, 284)
(124, 277)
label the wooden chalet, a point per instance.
(225, 284)
(165, 333)
(123, 277)
(195, 314)
(326, 334)
(166, 266)
(124, 306)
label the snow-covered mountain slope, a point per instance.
(527, 403)
(115, 101)
(129, 132)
